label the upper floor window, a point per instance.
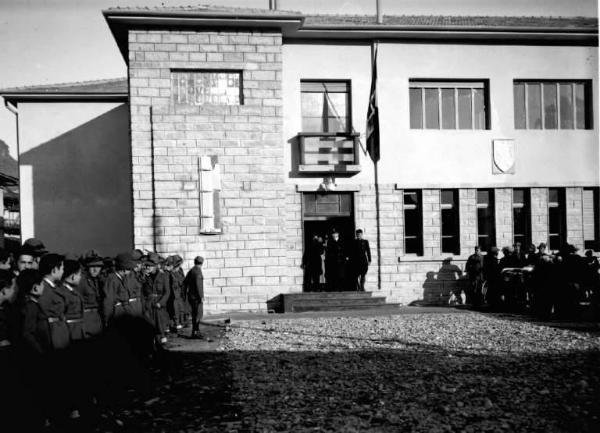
(552, 104)
(448, 105)
(325, 106)
(206, 87)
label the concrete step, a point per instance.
(322, 295)
(382, 307)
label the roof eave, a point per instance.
(530, 35)
(120, 22)
(18, 97)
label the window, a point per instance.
(325, 106)
(591, 215)
(557, 218)
(448, 105)
(522, 217)
(552, 104)
(486, 224)
(450, 222)
(413, 223)
(206, 87)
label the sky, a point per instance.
(55, 41)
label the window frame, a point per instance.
(561, 205)
(587, 103)
(239, 72)
(453, 84)
(490, 205)
(526, 241)
(418, 208)
(455, 208)
(593, 244)
(349, 123)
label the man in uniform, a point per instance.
(474, 270)
(360, 260)
(156, 291)
(312, 263)
(193, 291)
(133, 284)
(90, 288)
(335, 263)
(52, 301)
(176, 301)
(114, 292)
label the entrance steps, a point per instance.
(327, 301)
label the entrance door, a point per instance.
(322, 212)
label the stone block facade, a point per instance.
(249, 262)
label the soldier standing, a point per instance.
(156, 291)
(114, 291)
(474, 270)
(133, 285)
(176, 279)
(312, 263)
(335, 263)
(360, 260)
(193, 291)
(52, 300)
(90, 288)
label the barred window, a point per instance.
(450, 222)
(552, 104)
(448, 105)
(206, 87)
(413, 222)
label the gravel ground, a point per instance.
(454, 372)
(423, 372)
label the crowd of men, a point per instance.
(330, 264)
(69, 325)
(547, 285)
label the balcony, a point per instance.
(328, 152)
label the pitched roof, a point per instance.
(198, 9)
(112, 85)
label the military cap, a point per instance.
(124, 261)
(137, 255)
(34, 247)
(177, 260)
(152, 259)
(92, 258)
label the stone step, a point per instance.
(340, 301)
(383, 307)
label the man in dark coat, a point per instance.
(90, 288)
(176, 307)
(193, 291)
(335, 263)
(114, 291)
(360, 259)
(157, 290)
(474, 270)
(312, 263)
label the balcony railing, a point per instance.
(324, 152)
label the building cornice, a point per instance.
(21, 97)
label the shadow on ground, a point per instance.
(419, 389)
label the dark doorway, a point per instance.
(322, 212)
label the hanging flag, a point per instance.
(373, 113)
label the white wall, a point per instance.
(452, 158)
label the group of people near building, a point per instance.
(331, 264)
(547, 285)
(61, 316)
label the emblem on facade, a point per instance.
(503, 156)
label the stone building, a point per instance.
(247, 137)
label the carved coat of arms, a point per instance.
(503, 156)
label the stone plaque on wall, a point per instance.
(503, 156)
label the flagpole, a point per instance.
(374, 50)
